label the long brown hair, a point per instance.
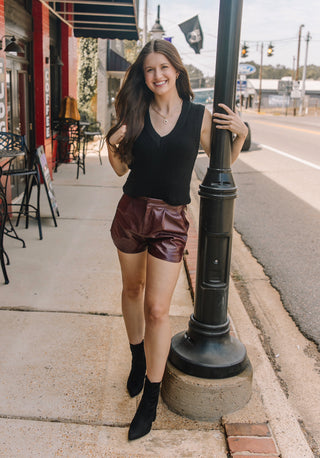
(134, 97)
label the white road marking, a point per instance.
(295, 158)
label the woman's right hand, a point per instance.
(118, 136)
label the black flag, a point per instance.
(193, 33)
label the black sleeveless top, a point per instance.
(162, 166)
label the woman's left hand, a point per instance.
(230, 121)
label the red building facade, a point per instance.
(34, 82)
(26, 82)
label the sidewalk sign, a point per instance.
(45, 174)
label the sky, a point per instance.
(263, 21)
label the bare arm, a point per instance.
(119, 167)
(205, 135)
(230, 121)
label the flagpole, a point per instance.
(145, 25)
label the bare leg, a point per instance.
(161, 280)
(133, 269)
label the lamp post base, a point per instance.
(205, 399)
(208, 351)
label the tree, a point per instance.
(132, 48)
(313, 72)
(196, 76)
(87, 77)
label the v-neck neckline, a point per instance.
(179, 120)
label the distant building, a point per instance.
(111, 70)
(272, 97)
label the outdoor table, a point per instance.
(89, 135)
(67, 133)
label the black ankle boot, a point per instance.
(138, 369)
(146, 412)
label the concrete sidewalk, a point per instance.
(65, 356)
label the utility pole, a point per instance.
(260, 78)
(298, 53)
(304, 74)
(145, 25)
(293, 66)
(297, 70)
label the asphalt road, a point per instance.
(278, 209)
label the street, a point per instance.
(277, 210)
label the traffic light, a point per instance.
(244, 51)
(270, 50)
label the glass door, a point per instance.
(17, 97)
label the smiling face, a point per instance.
(160, 75)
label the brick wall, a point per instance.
(69, 53)
(41, 50)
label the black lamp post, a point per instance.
(157, 31)
(207, 349)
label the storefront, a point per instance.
(41, 71)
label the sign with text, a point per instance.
(3, 124)
(285, 86)
(241, 85)
(246, 69)
(47, 100)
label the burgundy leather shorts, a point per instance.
(143, 223)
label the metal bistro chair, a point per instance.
(88, 134)
(12, 142)
(66, 131)
(3, 218)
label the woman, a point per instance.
(157, 138)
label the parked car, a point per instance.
(205, 97)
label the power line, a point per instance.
(203, 51)
(270, 40)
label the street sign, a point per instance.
(296, 94)
(246, 69)
(241, 84)
(285, 86)
(296, 91)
